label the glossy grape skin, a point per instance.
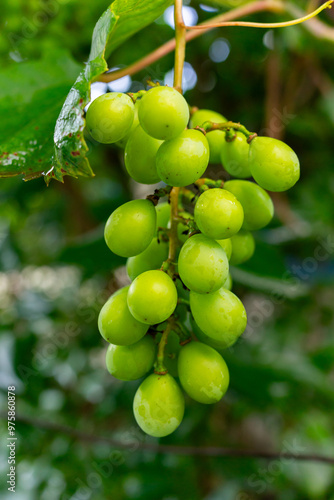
(109, 117)
(202, 265)
(133, 361)
(202, 337)
(135, 123)
(215, 138)
(152, 297)
(220, 315)
(158, 405)
(131, 227)
(234, 156)
(116, 323)
(226, 245)
(139, 157)
(151, 258)
(203, 373)
(184, 159)
(218, 214)
(163, 214)
(243, 247)
(274, 165)
(256, 203)
(163, 113)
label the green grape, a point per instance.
(220, 315)
(152, 297)
(274, 165)
(132, 361)
(109, 118)
(228, 283)
(131, 227)
(226, 245)
(172, 350)
(140, 153)
(202, 265)
(158, 405)
(218, 214)
(243, 246)
(116, 323)
(163, 113)
(151, 258)
(234, 156)
(135, 123)
(183, 160)
(256, 203)
(202, 337)
(163, 214)
(203, 373)
(215, 138)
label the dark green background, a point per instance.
(56, 273)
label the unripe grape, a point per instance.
(202, 265)
(234, 156)
(151, 258)
(163, 214)
(228, 283)
(220, 315)
(152, 297)
(140, 153)
(205, 339)
(135, 123)
(183, 160)
(131, 227)
(163, 113)
(203, 373)
(218, 214)
(158, 405)
(132, 361)
(256, 203)
(110, 116)
(226, 245)
(274, 165)
(215, 138)
(116, 323)
(243, 246)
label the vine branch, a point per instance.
(317, 27)
(293, 22)
(205, 451)
(180, 45)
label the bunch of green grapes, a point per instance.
(178, 315)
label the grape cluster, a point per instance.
(179, 313)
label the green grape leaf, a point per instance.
(31, 146)
(31, 96)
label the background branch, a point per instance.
(205, 451)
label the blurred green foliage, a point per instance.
(56, 273)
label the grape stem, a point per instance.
(204, 184)
(160, 368)
(228, 126)
(159, 193)
(169, 264)
(180, 45)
